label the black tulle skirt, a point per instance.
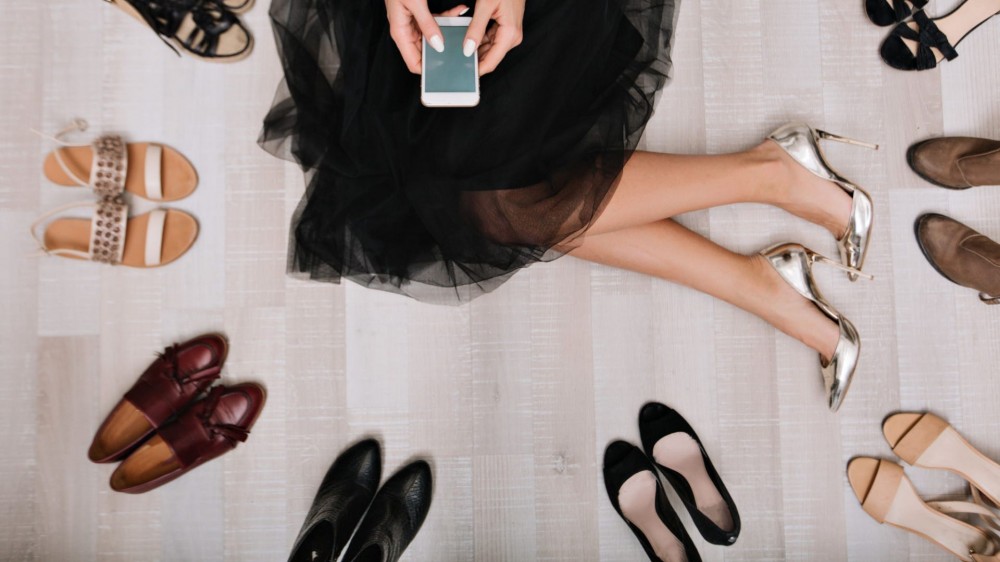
(446, 204)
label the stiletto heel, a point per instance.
(801, 142)
(825, 135)
(794, 262)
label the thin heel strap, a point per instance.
(45, 217)
(820, 258)
(77, 125)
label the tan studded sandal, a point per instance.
(888, 496)
(110, 236)
(110, 167)
(925, 440)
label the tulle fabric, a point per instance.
(446, 204)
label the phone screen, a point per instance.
(450, 71)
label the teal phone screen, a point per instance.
(450, 71)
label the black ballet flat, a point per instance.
(690, 471)
(343, 497)
(395, 516)
(968, 16)
(622, 462)
(885, 12)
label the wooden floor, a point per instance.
(514, 397)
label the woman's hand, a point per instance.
(494, 44)
(409, 22)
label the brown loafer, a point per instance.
(961, 255)
(956, 162)
(178, 376)
(212, 427)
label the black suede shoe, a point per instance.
(636, 494)
(395, 516)
(343, 497)
(676, 450)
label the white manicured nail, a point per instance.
(469, 48)
(436, 43)
(463, 12)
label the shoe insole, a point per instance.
(178, 178)
(125, 426)
(316, 545)
(637, 499)
(910, 513)
(233, 44)
(950, 451)
(680, 452)
(959, 23)
(179, 233)
(150, 461)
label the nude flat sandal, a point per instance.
(110, 167)
(150, 240)
(888, 496)
(925, 440)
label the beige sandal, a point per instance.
(888, 496)
(109, 166)
(110, 236)
(927, 441)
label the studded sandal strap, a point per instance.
(107, 231)
(107, 173)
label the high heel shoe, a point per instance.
(801, 142)
(636, 494)
(888, 12)
(674, 447)
(794, 262)
(925, 440)
(928, 42)
(888, 496)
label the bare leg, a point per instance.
(659, 186)
(667, 250)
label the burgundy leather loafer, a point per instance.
(178, 376)
(209, 429)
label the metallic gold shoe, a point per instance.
(801, 142)
(794, 262)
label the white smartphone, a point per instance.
(450, 79)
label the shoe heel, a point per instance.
(820, 258)
(825, 135)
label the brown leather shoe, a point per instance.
(178, 376)
(961, 254)
(211, 428)
(956, 162)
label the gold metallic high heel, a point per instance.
(801, 142)
(794, 262)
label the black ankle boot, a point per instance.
(343, 497)
(395, 516)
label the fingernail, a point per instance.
(463, 12)
(436, 43)
(469, 48)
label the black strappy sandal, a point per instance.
(239, 6)
(205, 29)
(887, 12)
(935, 34)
